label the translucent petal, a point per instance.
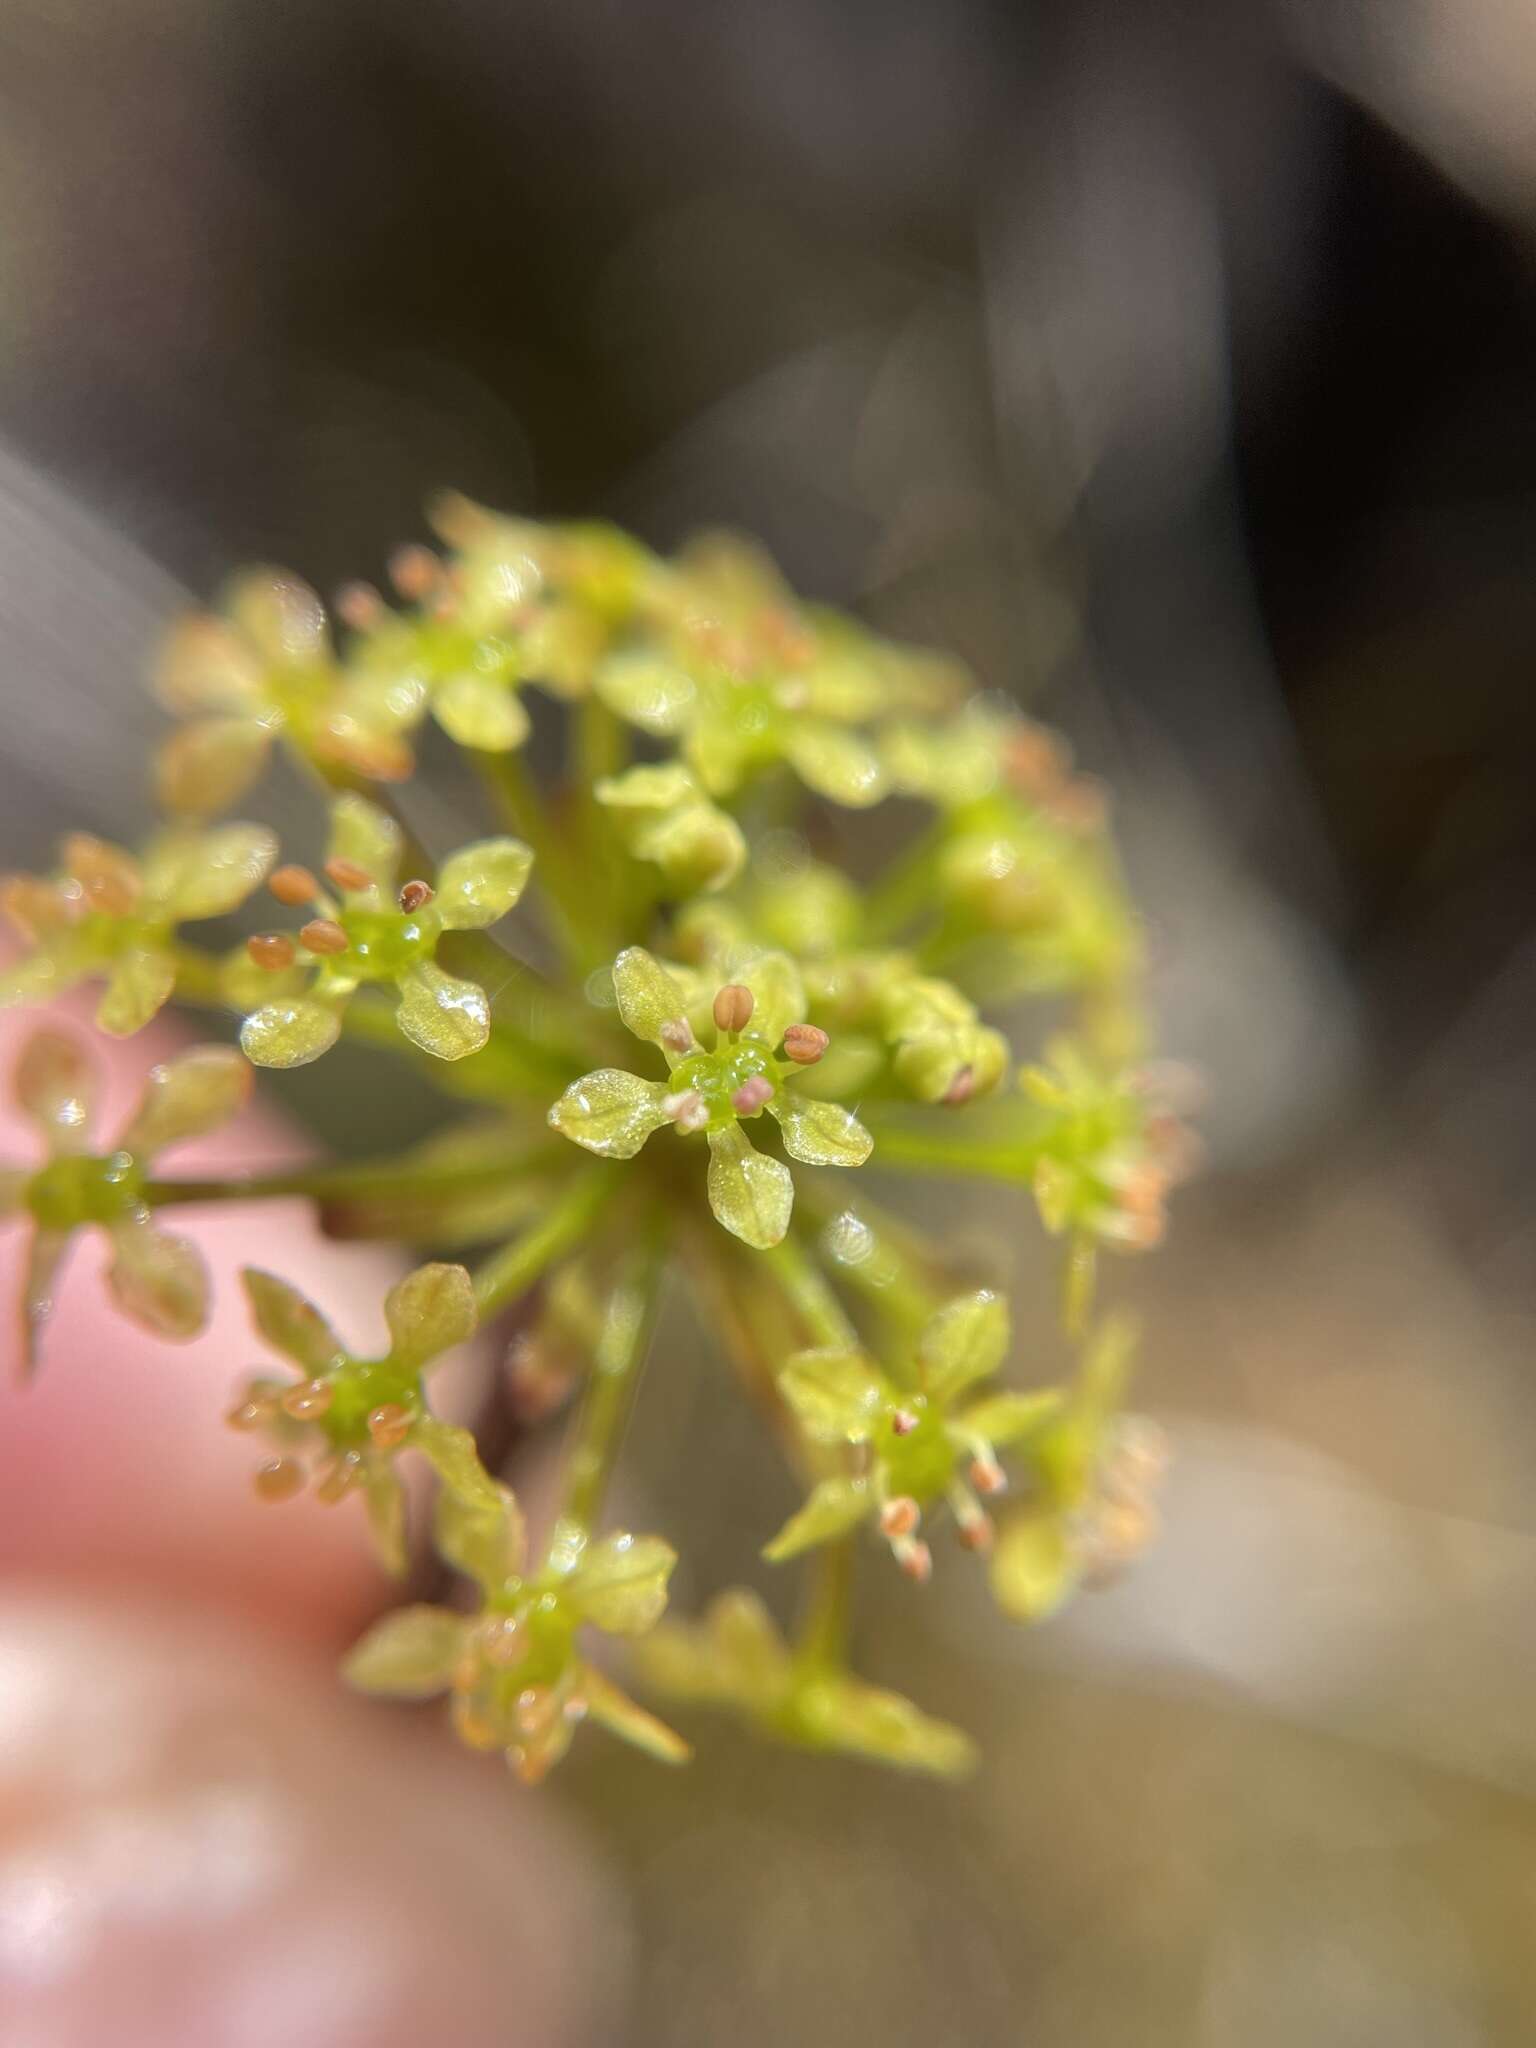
(621, 1583)
(204, 768)
(610, 1112)
(409, 1655)
(486, 1541)
(820, 1133)
(1035, 1567)
(281, 616)
(112, 879)
(967, 1340)
(1006, 1418)
(696, 847)
(648, 997)
(481, 883)
(651, 789)
(39, 979)
(612, 1708)
(648, 691)
(868, 1721)
(158, 1280)
(137, 989)
(481, 711)
(835, 763)
(748, 1642)
(445, 1016)
(195, 1092)
(430, 1311)
(778, 995)
(45, 1256)
(844, 688)
(836, 1395)
(290, 1033)
(834, 1507)
(750, 1194)
(367, 837)
(384, 1499)
(290, 1323)
(208, 874)
(56, 1084)
(204, 665)
(717, 754)
(36, 907)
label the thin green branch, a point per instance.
(811, 1293)
(510, 1272)
(617, 1364)
(367, 1179)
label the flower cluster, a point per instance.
(712, 991)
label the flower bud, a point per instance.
(733, 1007)
(278, 1478)
(323, 935)
(346, 874)
(293, 885)
(805, 1044)
(271, 950)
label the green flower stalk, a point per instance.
(664, 990)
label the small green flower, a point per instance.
(156, 1279)
(663, 816)
(735, 1658)
(356, 1413)
(373, 935)
(518, 1678)
(111, 914)
(907, 1437)
(613, 1113)
(265, 670)
(1111, 1153)
(1089, 1511)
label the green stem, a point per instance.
(822, 1638)
(617, 1364)
(564, 896)
(904, 891)
(368, 1178)
(935, 1146)
(888, 1265)
(512, 1271)
(811, 1293)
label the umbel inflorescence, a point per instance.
(684, 1004)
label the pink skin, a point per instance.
(204, 1840)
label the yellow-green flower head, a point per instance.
(156, 1279)
(905, 1439)
(661, 815)
(372, 932)
(761, 1042)
(735, 1658)
(1110, 1149)
(264, 670)
(109, 914)
(515, 1670)
(355, 1413)
(1089, 1510)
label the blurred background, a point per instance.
(1176, 364)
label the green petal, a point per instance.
(648, 691)
(443, 1015)
(649, 790)
(368, 837)
(481, 883)
(193, 1093)
(485, 1540)
(40, 979)
(291, 1324)
(281, 616)
(208, 874)
(384, 1499)
(747, 1643)
(1034, 1567)
(291, 1033)
(649, 999)
(429, 1312)
(717, 753)
(158, 1280)
(778, 995)
(868, 1721)
(621, 1583)
(966, 1341)
(137, 989)
(836, 1395)
(409, 1655)
(1006, 1418)
(204, 666)
(612, 1708)
(834, 1507)
(820, 1133)
(484, 712)
(835, 763)
(610, 1112)
(751, 1194)
(204, 768)
(55, 1083)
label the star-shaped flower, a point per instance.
(735, 1658)
(370, 933)
(1089, 1510)
(761, 1042)
(515, 1669)
(109, 913)
(355, 1413)
(156, 1279)
(1111, 1152)
(904, 1439)
(263, 670)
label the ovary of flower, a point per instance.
(372, 932)
(613, 1112)
(156, 1279)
